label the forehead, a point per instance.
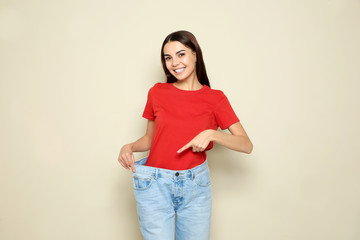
(174, 46)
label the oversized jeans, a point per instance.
(162, 194)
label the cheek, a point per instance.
(191, 61)
(168, 66)
(191, 64)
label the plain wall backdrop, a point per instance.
(74, 76)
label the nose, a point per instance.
(175, 61)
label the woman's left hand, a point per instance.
(200, 142)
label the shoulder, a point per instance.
(160, 86)
(159, 89)
(216, 94)
(157, 86)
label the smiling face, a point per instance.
(180, 60)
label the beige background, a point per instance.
(73, 82)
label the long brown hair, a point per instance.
(189, 40)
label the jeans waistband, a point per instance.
(167, 173)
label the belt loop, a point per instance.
(192, 174)
(156, 173)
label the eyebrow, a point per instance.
(176, 53)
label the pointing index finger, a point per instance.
(183, 148)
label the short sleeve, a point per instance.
(149, 108)
(224, 113)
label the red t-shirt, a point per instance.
(179, 116)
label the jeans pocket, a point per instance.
(203, 179)
(142, 181)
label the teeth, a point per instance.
(179, 70)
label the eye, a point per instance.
(167, 58)
(181, 54)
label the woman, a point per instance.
(173, 182)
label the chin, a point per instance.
(181, 78)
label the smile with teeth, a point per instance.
(179, 70)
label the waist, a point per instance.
(140, 167)
(173, 161)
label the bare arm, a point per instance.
(144, 143)
(238, 140)
(126, 156)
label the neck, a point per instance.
(191, 83)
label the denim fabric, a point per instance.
(162, 194)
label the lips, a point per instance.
(179, 70)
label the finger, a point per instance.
(129, 159)
(130, 162)
(120, 159)
(196, 149)
(201, 148)
(124, 164)
(123, 159)
(184, 148)
(132, 166)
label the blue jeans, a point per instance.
(162, 194)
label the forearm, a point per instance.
(141, 145)
(238, 143)
(126, 156)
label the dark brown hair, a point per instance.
(189, 40)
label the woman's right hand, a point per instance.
(126, 158)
